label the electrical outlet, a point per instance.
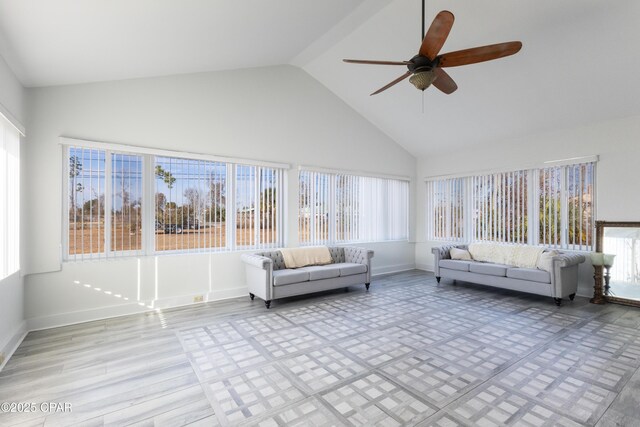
(198, 298)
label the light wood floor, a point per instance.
(408, 352)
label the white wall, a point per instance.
(12, 324)
(274, 113)
(12, 97)
(616, 142)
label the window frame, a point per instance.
(148, 235)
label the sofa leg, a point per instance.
(252, 296)
(438, 279)
(267, 303)
(558, 301)
(572, 296)
(366, 285)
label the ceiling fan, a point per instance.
(426, 68)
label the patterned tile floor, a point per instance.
(408, 352)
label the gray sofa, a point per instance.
(268, 278)
(561, 282)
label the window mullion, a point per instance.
(230, 220)
(564, 210)
(467, 209)
(67, 205)
(108, 194)
(148, 207)
(333, 215)
(533, 207)
(257, 206)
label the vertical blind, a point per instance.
(126, 203)
(580, 180)
(258, 207)
(9, 199)
(551, 206)
(499, 206)
(86, 189)
(195, 210)
(445, 203)
(340, 208)
(191, 205)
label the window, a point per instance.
(445, 202)
(552, 206)
(9, 199)
(124, 203)
(500, 207)
(104, 200)
(566, 206)
(341, 208)
(190, 204)
(193, 205)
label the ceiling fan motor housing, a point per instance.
(423, 71)
(421, 63)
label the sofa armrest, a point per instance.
(442, 252)
(565, 274)
(567, 260)
(257, 261)
(258, 275)
(359, 256)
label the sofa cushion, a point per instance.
(350, 268)
(489, 269)
(454, 264)
(337, 254)
(461, 254)
(530, 274)
(288, 276)
(322, 271)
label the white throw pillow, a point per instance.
(461, 254)
(545, 260)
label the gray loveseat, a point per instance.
(561, 282)
(268, 278)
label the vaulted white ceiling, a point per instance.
(54, 42)
(579, 62)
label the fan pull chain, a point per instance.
(422, 102)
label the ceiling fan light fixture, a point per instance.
(423, 79)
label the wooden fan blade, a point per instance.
(444, 82)
(437, 34)
(396, 81)
(479, 54)
(366, 61)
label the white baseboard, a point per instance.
(11, 344)
(102, 313)
(228, 294)
(389, 269)
(424, 267)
